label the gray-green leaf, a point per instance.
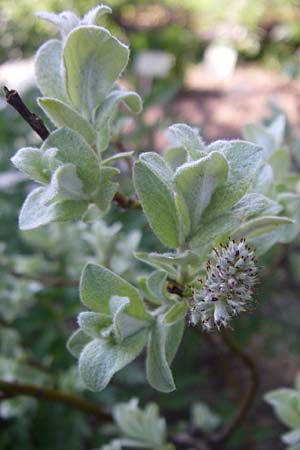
(106, 189)
(175, 157)
(153, 183)
(48, 70)
(98, 285)
(101, 359)
(93, 323)
(188, 138)
(77, 342)
(37, 210)
(73, 148)
(156, 285)
(106, 112)
(93, 14)
(63, 115)
(29, 161)
(244, 160)
(141, 425)
(249, 206)
(286, 403)
(66, 183)
(169, 262)
(159, 373)
(198, 180)
(260, 225)
(176, 312)
(93, 60)
(204, 418)
(124, 325)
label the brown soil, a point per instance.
(222, 107)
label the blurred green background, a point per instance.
(36, 318)
(259, 28)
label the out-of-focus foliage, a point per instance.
(276, 177)
(37, 317)
(254, 26)
(286, 405)
(30, 307)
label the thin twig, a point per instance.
(14, 389)
(34, 363)
(47, 280)
(5, 324)
(54, 281)
(5, 397)
(186, 441)
(26, 357)
(288, 267)
(243, 408)
(222, 360)
(35, 122)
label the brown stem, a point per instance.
(27, 357)
(46, 280)
(14, 389)
(5, 324)
(288, 267)
(126, 202)
(222, 361)
(35, 122)
(243, 408)
(5, 397)
(35, 363)
(186, 441)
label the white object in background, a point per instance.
(153, 64)
(220, 60)
(9, 179)
(18, 74)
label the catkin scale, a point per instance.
(228, 287)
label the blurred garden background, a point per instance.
(217, 65)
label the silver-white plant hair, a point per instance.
(228, 287)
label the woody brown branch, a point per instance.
(226, 432)
(54, 281)
(35, 122)
(15, 389)
(47, 280)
